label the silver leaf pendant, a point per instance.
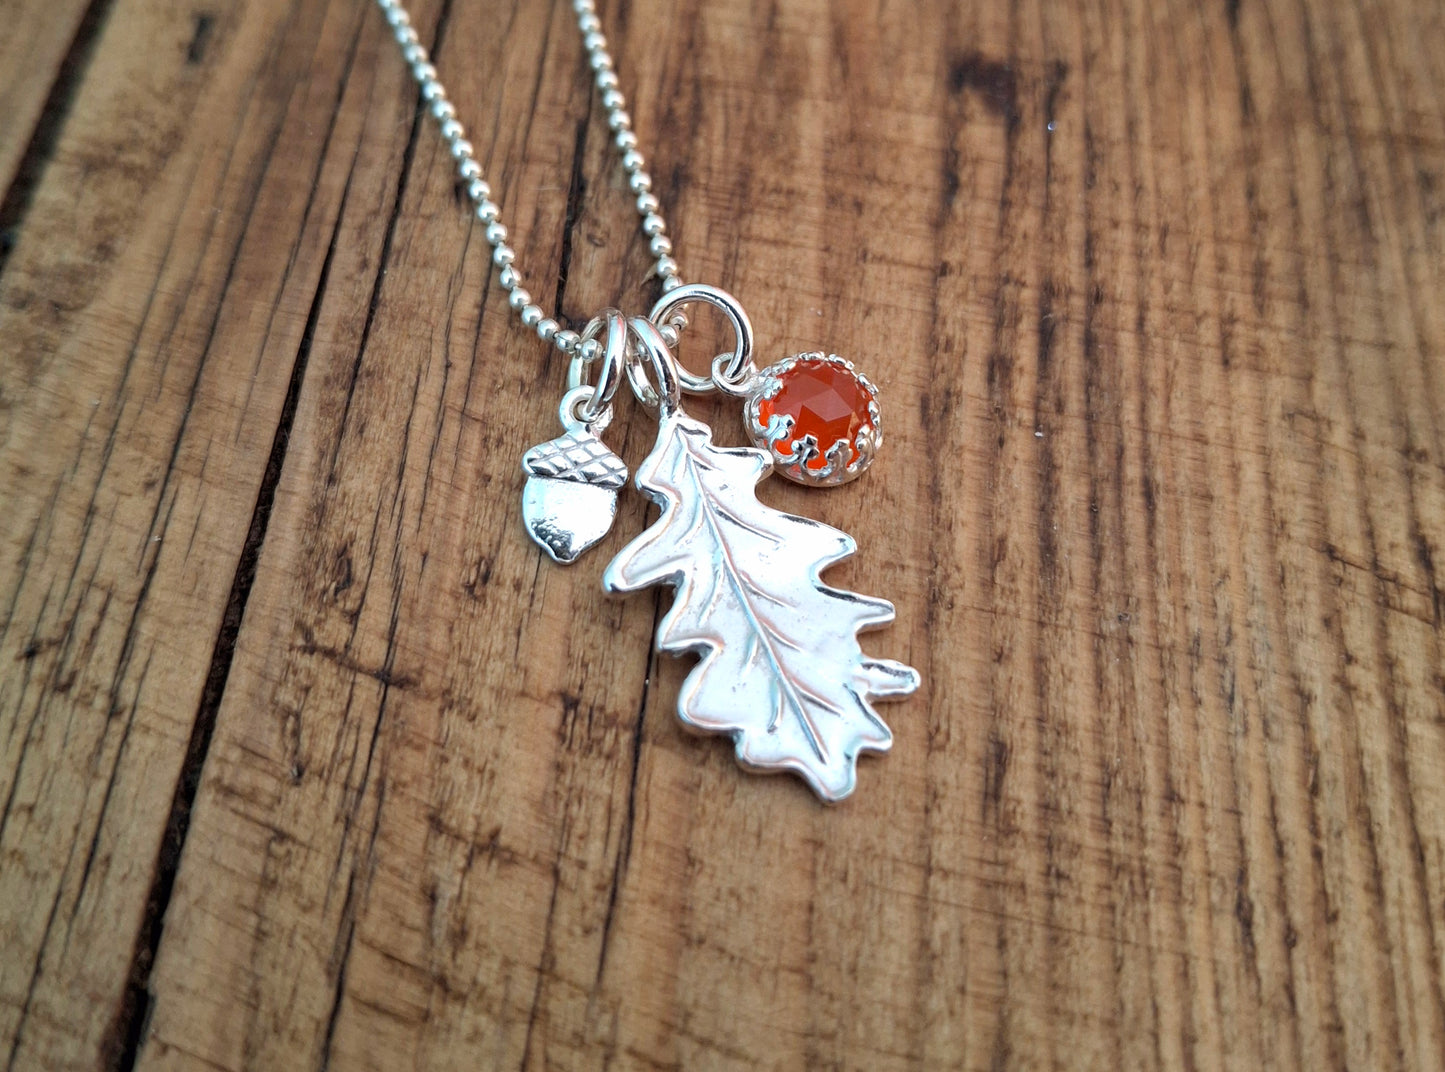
(781, 670)
(570, 498)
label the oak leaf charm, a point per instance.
(781, 670)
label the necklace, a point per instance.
(781, 671)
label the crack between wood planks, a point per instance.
(121, 1046)
(576, 191)
(20, 194)
(624, 848)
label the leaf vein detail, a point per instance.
(786, 686)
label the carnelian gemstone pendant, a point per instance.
(817, 416)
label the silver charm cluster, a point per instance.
(780, 670)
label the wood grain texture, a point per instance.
(307, 757)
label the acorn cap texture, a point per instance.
(576, 456)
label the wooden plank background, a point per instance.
(307, 757)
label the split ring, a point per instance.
(729, 371)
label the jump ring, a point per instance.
(739, 367)
(614, 357)
(650, 354)
(741, 387)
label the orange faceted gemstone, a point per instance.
(826, 401)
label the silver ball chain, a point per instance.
(434, 94)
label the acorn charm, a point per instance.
(570, 498)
